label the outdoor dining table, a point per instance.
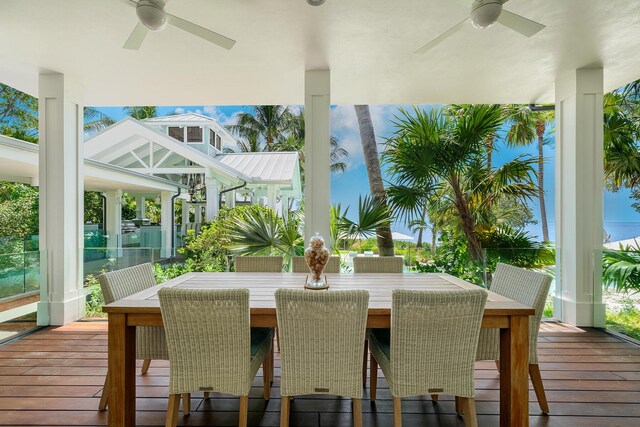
(143, 309)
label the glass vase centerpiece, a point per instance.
(317, 256)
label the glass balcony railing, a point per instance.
(19, 274)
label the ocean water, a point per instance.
(616, 230)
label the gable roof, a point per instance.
(186, 117)
(263, 166)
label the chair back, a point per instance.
(526, 287)
(434, 340)
(300, 265)
(258, 264)
(379, 264)
(209, 339)
(122, 283)
(321, 339)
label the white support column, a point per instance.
(141, 209)
(230, 199)
(317, 117)
(113, 227)
(61, 158)
(186, 207)
(579, 196)
(272, 197)
(212, 207)
(166, 225)
(197, 215)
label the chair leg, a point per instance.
(397, 412)
(104, 398)
(186, 403)
(357, 412)
(278, 338)
(273, 364)
(459, 406)
(536, 379)
(145, 366)
(469, 407)
(244, 411)
(266, 375)
(374, 379)
(284, 411)
(364, 362)
(172, 410)
(435, 397)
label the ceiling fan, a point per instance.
(152, 16)
(485, 13)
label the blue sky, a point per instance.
(347, 186)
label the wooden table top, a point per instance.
(262, 287)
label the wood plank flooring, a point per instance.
(54, 378)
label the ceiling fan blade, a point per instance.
(442, 37)
(520, 24)
(137, 37)
(197, 30)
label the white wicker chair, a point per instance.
(322, 335)
(300, 265)
(258, 264)
(430, 348)
(379, 264)
(531, 289)
(150, 341)
(212, 346)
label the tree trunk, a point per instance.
(490, 143)
(422, 225)
(370, 149)
(466, 219)
(419, 242)
(540, 128)
(434, 239)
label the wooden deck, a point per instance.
(55, 377)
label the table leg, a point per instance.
(514, 379)
(122, 372)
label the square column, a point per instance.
(579, 196)
(61, 159)
(166, 224)
(272, 197)
(113, 227)
(141, 208)
(212, 206)
(317, 119)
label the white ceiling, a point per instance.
(367, 44)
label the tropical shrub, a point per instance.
(621, 269)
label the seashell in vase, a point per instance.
(317, 256)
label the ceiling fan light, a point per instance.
(151, 15)
(315, 2)
(485, 13)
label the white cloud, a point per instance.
(215, 112)
(179, 110)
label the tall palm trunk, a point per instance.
(370, 149)
(490, 144)
(422, 225)
(540, 129)
(434, 239)
(467, 221)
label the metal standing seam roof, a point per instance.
(270, 166)
(186, 117)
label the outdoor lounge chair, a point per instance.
(300, 265)
(212, 346)
(150, 340)
(258, 264)
(430, 348)
(531, 289)
(322, 335)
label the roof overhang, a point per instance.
(366, 44)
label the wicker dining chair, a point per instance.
(430, 348)
(150, 341)
(300, 265)
(212, 346)
(379, 264)
(531, 289)
(258, 264)
(322, 335)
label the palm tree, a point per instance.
(525, 127)
(250, 144)
(141, 113)
(268, 122)
(95, 120)
(621, 136)
(430, 149)
(372, 162)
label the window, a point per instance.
(194, 134)
(176, 132)
(215, 140)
